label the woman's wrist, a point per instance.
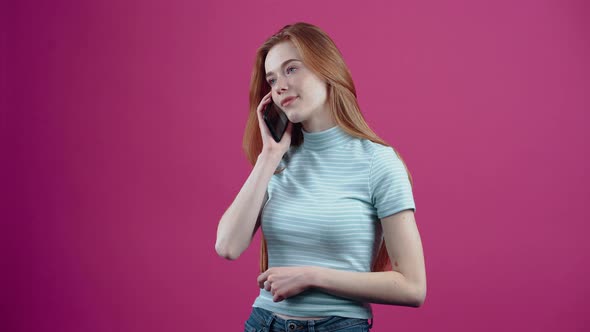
(270, 156)
(312, 276)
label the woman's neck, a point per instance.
(322, 121)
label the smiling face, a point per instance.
(296, 89)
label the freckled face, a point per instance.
(295, 89)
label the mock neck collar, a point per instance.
(324, 139)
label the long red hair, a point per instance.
(321, 55)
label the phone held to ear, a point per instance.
(276, 121)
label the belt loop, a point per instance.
(371, 324)
(271, 317)
(311, 325)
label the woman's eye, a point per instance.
(291, 68)
(271, 81)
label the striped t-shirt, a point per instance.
(324, 210)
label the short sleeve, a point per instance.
(389, 185)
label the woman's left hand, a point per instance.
(284, 282)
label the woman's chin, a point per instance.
(295, 118)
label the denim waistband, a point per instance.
(262, 319)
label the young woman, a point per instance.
(333, 200)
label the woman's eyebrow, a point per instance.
(282, 65)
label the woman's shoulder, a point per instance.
(374, 149)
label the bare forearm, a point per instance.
(389, 287)
(236, 226)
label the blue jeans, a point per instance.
(262, 320)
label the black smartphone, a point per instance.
(276, 121)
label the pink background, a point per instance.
(121, 131)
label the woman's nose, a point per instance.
(281, 84)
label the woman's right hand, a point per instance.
(269, 145)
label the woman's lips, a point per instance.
(288, 101)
